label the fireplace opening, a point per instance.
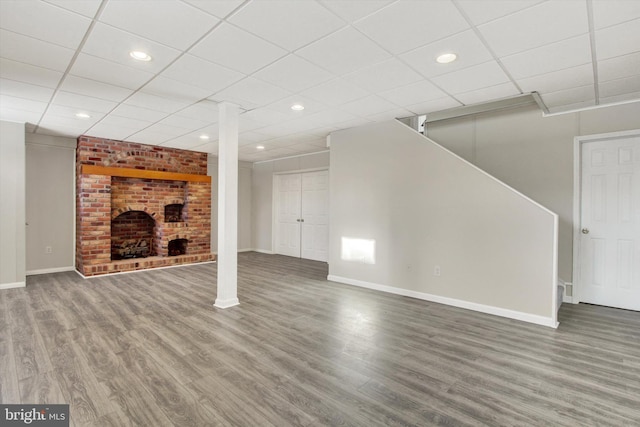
(173, 213)
(132, 235)
(178, 247)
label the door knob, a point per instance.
(585, 231)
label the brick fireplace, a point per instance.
(140, 206)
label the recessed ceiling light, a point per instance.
(140, 55)
(205, 137)
(297, 107)
(260, 147)
(83, 116)
(445, 58)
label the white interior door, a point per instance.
(610, 223)
(288, 215)
(315, 215)
(302, 215)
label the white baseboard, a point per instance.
(227, 303)
(497, 311)
(13, 285)
(49, 270)
(263, 251)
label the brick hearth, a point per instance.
(114, 208)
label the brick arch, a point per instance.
(173, 201)
(177, 236)
(136, 207)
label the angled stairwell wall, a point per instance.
(429, 211)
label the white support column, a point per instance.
(227, 207)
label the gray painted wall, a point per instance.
(534, 154)
(262, 193)
(12, 204)
(50, 207)
(424, 207)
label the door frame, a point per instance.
(577, 201)
(275, 199)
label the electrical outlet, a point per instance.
(48, 250)
(436, 270)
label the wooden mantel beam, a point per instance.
(144, 174)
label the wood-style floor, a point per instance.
(149, 349)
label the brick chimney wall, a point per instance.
(102, 198)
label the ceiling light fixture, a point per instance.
(140, 55)
(297, 107)
(204, 137)
(446, 58)
(260, 147)
(83, 116)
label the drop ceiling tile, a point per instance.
(105, 130)
(114, 45)
(209, 147)
(434, 105)
(174, 24)
(344, 51)
(259, 118)
(490, 93)
(627, 97)
(21, 116)
(206, 111)
(144, 114)
(219, 8)
(225, 42)
(607, 13)
(619, 67)
(383, 76)
(569, 96)
(25, 90)
(26, 73)
(158, 103)
(22, 104)
(483, 11)
(552, 57)
(89, 87)
(413, 93)
(194, 71)
(246, 138)
(353, 10)
(284, 106)
(175, 90)
(288, 24)
(472, 78)
(184, 123)
(293, 74)
(181, 143)
(251, 93)
(331, 117)
(64, 116)
(536, 26)
(397, 113)
(44, 21)
(468, 47)
(419, 23)
(104, 71)
(285, 128)
(368, 106)
(86, 8)
(53, 127)
(619, 87)
(618, 40)
(82, 102)
(32, 51)
(156, 134)
(581, 75)
(335, 92)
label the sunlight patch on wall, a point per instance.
(359, 250)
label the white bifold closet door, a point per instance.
(302, 215)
